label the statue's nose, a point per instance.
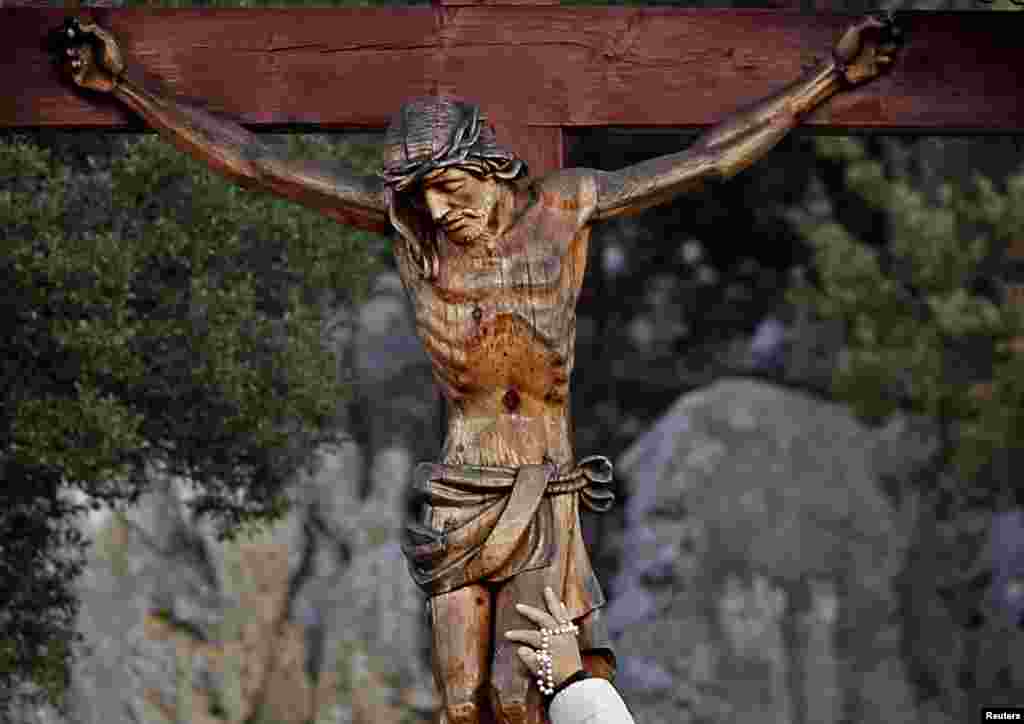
(437, 206)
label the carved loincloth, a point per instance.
(483, 524)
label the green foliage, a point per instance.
(40, 552)
(186, 332)
(49, 672)
(926, 329)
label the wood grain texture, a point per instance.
(542, 147)
(538, 65)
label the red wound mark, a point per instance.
(511, 400)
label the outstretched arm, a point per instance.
(864, 51)
(330, 187)
(93, 60)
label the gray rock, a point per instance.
(386, 343)
(642, 675)
(1006, 543)
(762, 556)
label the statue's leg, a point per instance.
(597, 662)
(514, 697)
(460, 624)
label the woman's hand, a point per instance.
(562, 647)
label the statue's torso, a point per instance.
(499, 328)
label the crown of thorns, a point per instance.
(433, 133)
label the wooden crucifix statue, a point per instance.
(493, 262)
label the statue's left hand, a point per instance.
(868, 48)
(87, 54)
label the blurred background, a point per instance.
(810, 379)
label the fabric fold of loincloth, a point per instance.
(484, 523)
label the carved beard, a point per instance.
(473, 231)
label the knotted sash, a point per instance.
(497, 520)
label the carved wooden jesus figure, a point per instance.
(493, 261)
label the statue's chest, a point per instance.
(528, 259)
(503, 301)
(526, 278)
(531, 275)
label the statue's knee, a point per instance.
(466, 712)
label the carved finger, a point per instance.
(87, 26)
(81, 62)
(871, 22)
(887, 55)
(848, 46)
(888, 49)
(880, 19)
(865, 25)
(75, 64)
(111, 51)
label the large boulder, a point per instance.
(762, 557)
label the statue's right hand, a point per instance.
(87, 54)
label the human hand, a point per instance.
(867, 48)
(563, 648)
(87, 54)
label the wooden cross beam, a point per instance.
(538, 70)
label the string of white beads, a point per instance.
(545, 677)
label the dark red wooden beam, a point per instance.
(535, 68)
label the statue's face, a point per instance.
(460, 203)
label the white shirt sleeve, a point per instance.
(591, 701)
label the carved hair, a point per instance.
(428, 134)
